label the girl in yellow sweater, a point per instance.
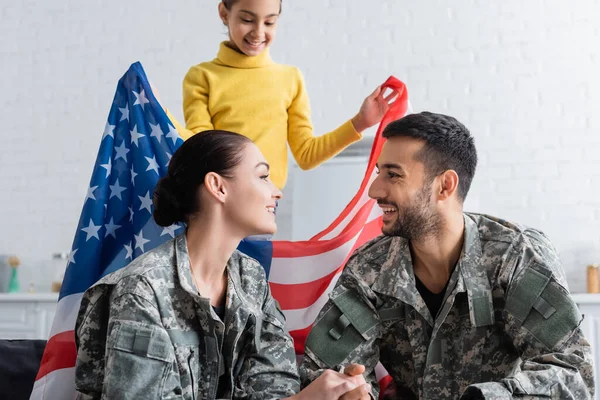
(244, 91)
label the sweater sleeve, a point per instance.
(309, 150)
(195, 101)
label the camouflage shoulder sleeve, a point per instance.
(546, 252)
(90, 341)
(345, 331)
(138, 345)
(137, 359)
(544, 325)
(92, 332)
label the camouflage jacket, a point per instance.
(507, 326)
(145, 332)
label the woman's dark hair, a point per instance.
(230, 3)
(175, 195)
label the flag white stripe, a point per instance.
(59, 384)
(66, 314)
(300, 270)
(380, 371)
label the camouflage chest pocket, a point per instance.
(139, 361)
(187, 354)
(543, 307)
(344, 327)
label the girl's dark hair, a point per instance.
(176, 194)
(230, 3)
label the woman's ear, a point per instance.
(223, 13)
(215, 185)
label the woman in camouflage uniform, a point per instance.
(194, 317)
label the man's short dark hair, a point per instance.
(448, 145)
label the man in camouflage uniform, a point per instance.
(144, 332)
(454, 305)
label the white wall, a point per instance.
(523, 76)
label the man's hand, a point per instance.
(361, 392)
(332, 385)
(354, 370)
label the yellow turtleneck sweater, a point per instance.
(265, 101)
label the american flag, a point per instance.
(116, 226)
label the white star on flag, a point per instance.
(124, 113)
(108, 131)
(122, 151)
(71, 257)
(146, 202)
(152, 164)
(135, 136)
(173, 134)
(133, 175)
(130, 214)
(116, 190)
(90, 193)
(170, 230)
(156, 132)
(107, 166)
(140, 98)
(140, 241)
(91, 230)
(129, 250)
(111, 227)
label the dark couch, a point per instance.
(19, 363)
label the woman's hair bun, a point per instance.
(167, 209)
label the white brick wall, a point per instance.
(523, 76)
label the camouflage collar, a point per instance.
(396, 277)
(468, 276)
(182, 260)
(475, 279)
(234, 286)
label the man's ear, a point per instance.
(215, 185)
(448, 184)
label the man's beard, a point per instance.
(417, 220)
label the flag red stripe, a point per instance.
(60, 352)
(287, 249)
(383, 384)
(301, 295)
(299, 337)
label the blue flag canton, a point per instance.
(116, 223)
